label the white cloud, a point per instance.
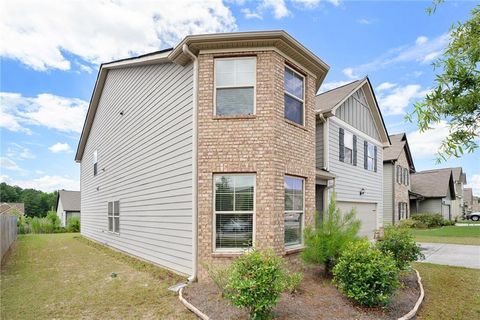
(334, 2)
(426, 144)
(8, 164)
(60, 147)
(54, 112)
(41, 34)
(364, 21)
(45, 183)
(421, 51)
(278, 7)
(421, 40)
(307, 4)
(17, 151)
(349, 73)
(474, 183)
(332, 85)
(394, 101)
(386, 86)
(249, 14)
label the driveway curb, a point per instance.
(414, 311)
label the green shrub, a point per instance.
(255, 281)
(325, 243)
(42, 225)
(73, 224)
(447, 223)
(293, 281)
(400, 243)
(365, 274)
(23, 224)
(411, 223)
(54, 219)
(430, 220)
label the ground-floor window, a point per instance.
(402, 211)
(294, 210)
(114, 216)
(234, 208)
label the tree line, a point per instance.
(37, 203)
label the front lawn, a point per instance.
(65, 276)
(450, 292)
(450, 234)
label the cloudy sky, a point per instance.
(50, 52)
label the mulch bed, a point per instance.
(317, 298)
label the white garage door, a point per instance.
(366, 213)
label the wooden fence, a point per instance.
(8, 232)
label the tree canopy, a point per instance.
(37, 203)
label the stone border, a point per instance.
(414, 311)
(191, 307)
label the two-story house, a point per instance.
(192, 154)
(351, 136)
(397, 167)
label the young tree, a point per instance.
(455, 96)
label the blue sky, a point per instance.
(50, 55)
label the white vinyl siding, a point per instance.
(235, 86)
(146, 162)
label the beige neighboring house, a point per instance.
(476, 204)
(468, 200)
(433, 191)
(351, 136)
(12, 207)
(68, 205)
(397, 167)
(193, 154)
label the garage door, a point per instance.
(366, 213)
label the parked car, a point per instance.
(474, 216)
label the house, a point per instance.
(460, 179)
(190, 155)
(12, 208)
(468, 200)
(476, 204)
(434, 191)
(68, 205)
(397, 167)
(351, 136)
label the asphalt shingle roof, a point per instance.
(326, 101)
(70, 200)
(432, 183)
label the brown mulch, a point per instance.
(317, 298)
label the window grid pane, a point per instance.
(294, 204)
(234, 230)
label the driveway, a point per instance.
(452, 254)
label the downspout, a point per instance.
(193, 276)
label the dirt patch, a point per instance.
(317, 298)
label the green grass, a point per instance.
(450, 234)
(450, 292)
(64, 276)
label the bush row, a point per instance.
(425, 221)
(49, 224)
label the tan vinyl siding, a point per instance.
(356, 113)
(388, 180)
(319, 145)
(433, 205)
(145, 162)
(351, 179)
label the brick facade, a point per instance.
(401, 190)
(265, 144)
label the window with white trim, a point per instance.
(235, 86)
(294, 96)
(370, 157)
(348, 147)
(294, 210)
(234, 210)
(95, 162)
(114, 216)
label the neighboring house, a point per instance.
(476, 204)
(434, 191)
(458, 203)
(468, 199)
(68, 205)
(12, 208)
(397, 167)
(350, 137)
(191, 155)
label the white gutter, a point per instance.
(193, 276)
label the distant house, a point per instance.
(468, 199)
(12, 207)
(68, 205)
(350, 138)
(460, 179)
(476, 204)
(397, 167)
(434, 191)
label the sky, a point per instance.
(50, 52)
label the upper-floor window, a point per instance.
(294, 96)
(95, 162)
(405, 176)
(235, 86)
(294, 208)
(234, 209)
(370, 157)
(348, 147)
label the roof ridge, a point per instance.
(339, 87)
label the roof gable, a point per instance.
(433, 183)
(399, 144)
(70, 200)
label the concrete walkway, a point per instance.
(452, 254)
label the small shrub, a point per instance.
(293, 281)
(255, 281)
(447, 223)
(73, 224)
(219, 276)
(23, 224)
(365, 274)
(400, 243)
(55, 220)
(430, 220)
(325, 243)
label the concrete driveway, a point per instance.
(452, 254)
